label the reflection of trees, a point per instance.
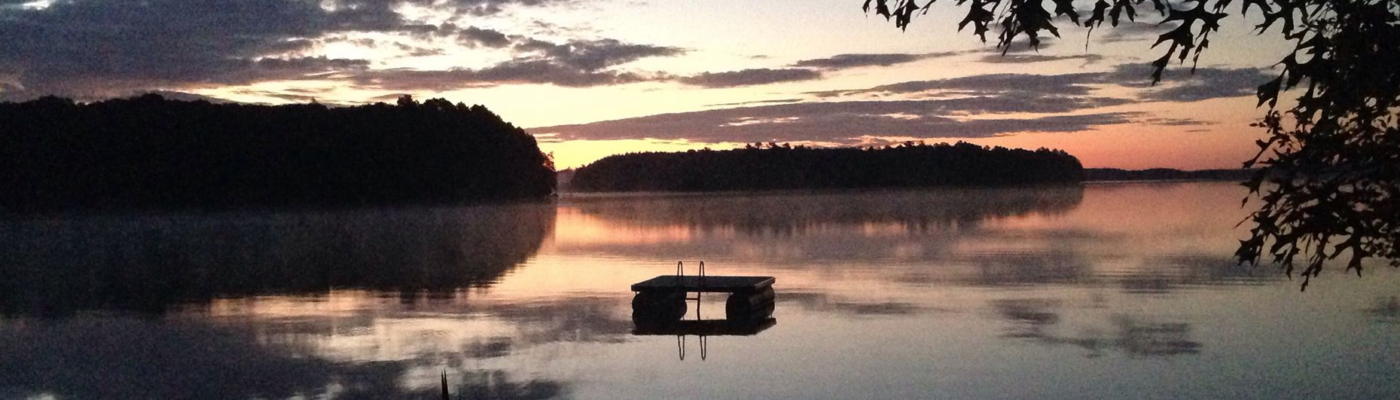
(1034, 320)
(151, 262)
(778, 214)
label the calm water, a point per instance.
(1112, 291)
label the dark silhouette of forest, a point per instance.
(149, 152)
(772, 166)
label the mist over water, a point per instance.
(1105, 291)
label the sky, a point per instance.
(591, 78)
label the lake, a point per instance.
(1106, 291)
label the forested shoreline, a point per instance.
(152, 153)
(778, 167)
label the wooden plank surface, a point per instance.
(709, 284)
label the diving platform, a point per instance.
(663, 298)
(705, 284)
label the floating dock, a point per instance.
(704, 284)
(663, 299)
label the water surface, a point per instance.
(1109, 291)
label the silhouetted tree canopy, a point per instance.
(1332, 158)
(760, 167)
(148, 152)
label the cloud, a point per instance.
(1132, 31)
(111, 46)
(511, 72)
(593, 55)
(106, 48)
(749, 77)
(976, 106)
(846, 61)
(1176, 122)
(1023, 58)
(484, 37)
(1180, 84)
(749, 103)
(582, 63)
(1210, 83)
(989, 84)
(847, 122)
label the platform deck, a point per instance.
(705, 284)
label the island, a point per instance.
(784, 167)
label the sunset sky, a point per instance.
(593, 78)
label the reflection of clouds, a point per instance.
(582, 319)
(1042, 268)
(1385, 310)
(124, 358)
(828, 303)
(1166, 274)
(500, 385)
(365, 353)
(1036, 319)
(453, 330)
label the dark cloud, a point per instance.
(511, 72)
(1179, 84)
(845, 61)
(1184, 84)
(417, 51)
(570, 64)
(990, 84)
(750, 77)
(1023, 58)
(749, 103)
(1176, 122)
(484, 37)
(593, 55)
(966, 107)
(846, 122)
(104, 48)
(1210, 83)
(1132, 31)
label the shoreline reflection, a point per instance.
(152, 263)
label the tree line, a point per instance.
(150, 152)
(777, 167)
